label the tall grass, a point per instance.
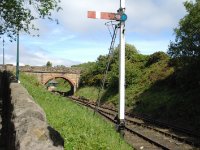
(63, 85)
(88, 92)
(78, 126)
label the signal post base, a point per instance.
(120, 125)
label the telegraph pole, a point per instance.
(121, 17)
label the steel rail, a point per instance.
(101, 112)
(158, 123)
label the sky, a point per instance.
(77, 39)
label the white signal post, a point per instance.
(121, 17)
(122, 64)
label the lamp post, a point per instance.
(17, 59)
(17, 63)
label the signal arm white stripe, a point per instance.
(98, 15)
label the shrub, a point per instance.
(156, 57)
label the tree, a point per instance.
(185, 51)
(49, 64)
(186, 48)
(18, 15)
(94, 74)
(156, 57)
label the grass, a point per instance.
(88, 92)
(63, 85)
(77, 125)
(155, 91)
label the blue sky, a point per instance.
(77, 39)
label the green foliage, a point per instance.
(156, 57)
(151, 89)
(187, 43)
(63, 85)
(49, 64)
(84, 65)
(60, 66)
(76, 124)
(187, 78)
(139, 75)
(185, 51)
(94, 74)
(18, 15)
(154, 85)
(176, 106)
(85, 92)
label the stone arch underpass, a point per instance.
(72, 76)
(71, 83)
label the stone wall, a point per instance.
(8, 67)
(32, 132)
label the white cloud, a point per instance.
(79, 39)
(143, 15)
(151, 16)
(74, 14)
(149, 47)
(38, 57)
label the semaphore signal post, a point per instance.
(121, 17)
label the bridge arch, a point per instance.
(71, 83)
(44, 74)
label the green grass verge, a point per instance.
(63, 85)
(88, 92)
(77, 125)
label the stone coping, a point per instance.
(32, 131)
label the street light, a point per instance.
(17, 63)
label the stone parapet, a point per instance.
(49, 69)
(32, 132)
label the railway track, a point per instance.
(146, 133)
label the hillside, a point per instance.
(153, 87)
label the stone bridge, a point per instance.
(45, 74)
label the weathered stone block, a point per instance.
(32, 130)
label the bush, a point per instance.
(156, 57)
